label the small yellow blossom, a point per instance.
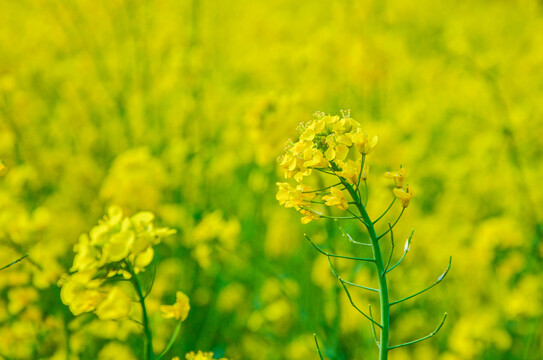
(362, 143)
(350, 171)
(200, 356)
(309, 216)
(179, 310)
(116, 305)
(404, 195)
(398, 177)
(3, 169)
(294, 197)
(316, 159)
(336, 199)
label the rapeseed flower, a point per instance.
(336, 199)
(179, 310)
(324, 145)
(398, 176)
(405, 196)
(200, 356)
(116, 305)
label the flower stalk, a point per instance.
(338, 147)
(148, 353)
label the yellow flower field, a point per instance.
(149, 148)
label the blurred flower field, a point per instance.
(174, 114)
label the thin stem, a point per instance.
(367, 193)
(391, 248)
(324, 188)
(395, 222)
(323, 171)
(318, 347)
(405, 251)
(386, 211)
(349, 236)
(358, 217)
(374, 333)
(383, 289)
(329, 217)
(148, 339)
(172, 340)
(423, 338)
(357, 308)
(362, 163)
(334, 255)
(150, 287)
(358, 286)
(360, 177)
(427, 288)
(14, 262)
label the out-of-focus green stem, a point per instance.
(148, 353)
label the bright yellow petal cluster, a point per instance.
(116, 305)
(200, 356)
(322, 141)
(179, 310)
(113, 247)
(398, 177)
(3, 169)
(116, 239)
(336, 199)
(298, 197)
(324, 144)
(405, 196)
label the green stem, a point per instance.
(148, 353)
(379, 265)
(172, 340)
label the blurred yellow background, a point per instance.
(182, 108)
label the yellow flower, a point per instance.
(200, 356)
(336, 199)
(404, 195)
(86, 255)
(179, 310)
(116, 305)
(308, 134)
(118, 246)
(309, 216)
(294, 197)
(350, 171)
(315, 158)
(362, 143)
(398, 177)
(3, 169)
(80, 293)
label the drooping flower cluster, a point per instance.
(117, 246)
(331, 144)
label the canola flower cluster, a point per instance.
(198, 356)
(334, 145)
(117, 247)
